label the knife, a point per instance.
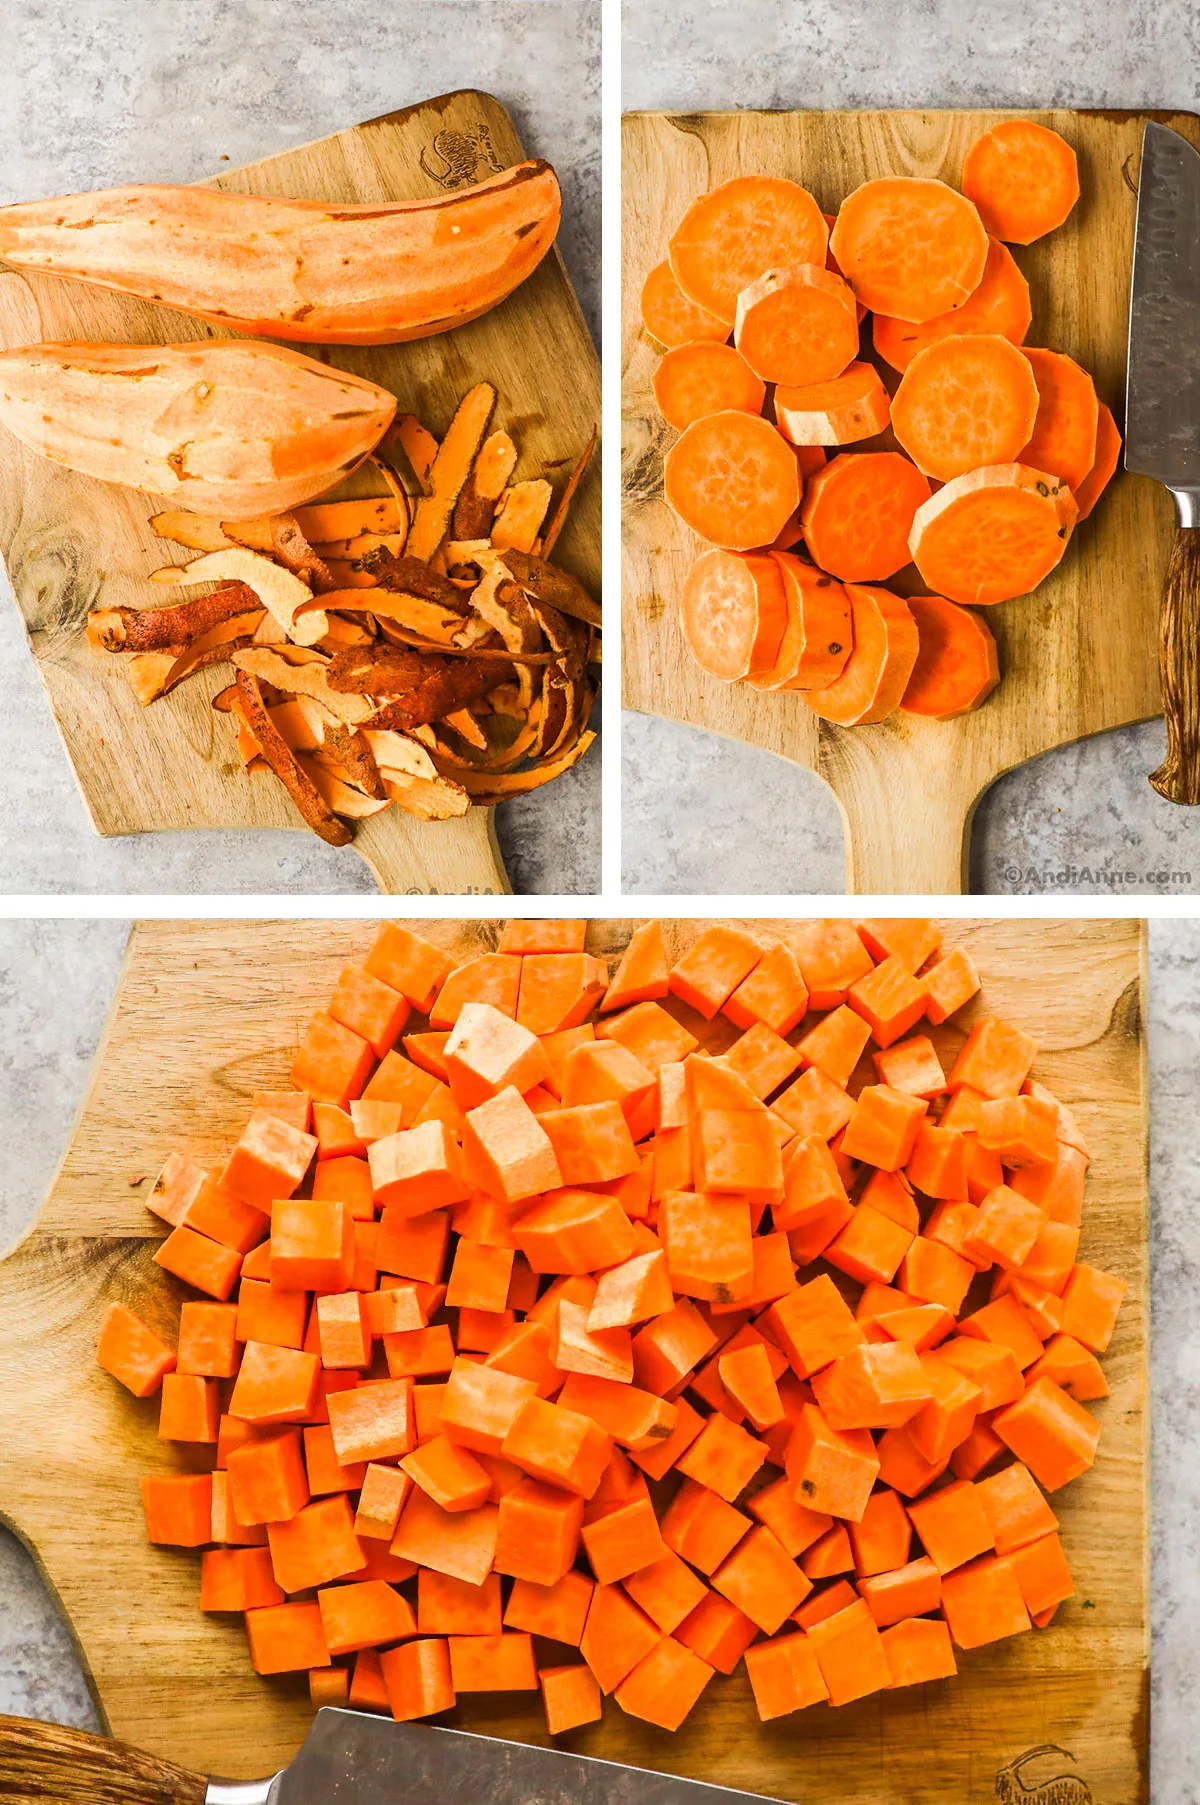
(1162, 423)
(348, 1758)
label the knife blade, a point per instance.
(1162, 422)
(352, 1758)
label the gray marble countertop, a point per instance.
(707, 816)
(56, 979)
(99, 92)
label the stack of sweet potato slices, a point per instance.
(416, 647)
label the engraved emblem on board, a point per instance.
(460, 154)
(1015, 1787)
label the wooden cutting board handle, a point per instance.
(907, 800)
(46, 1764)
(1178, 777)
(433, 858)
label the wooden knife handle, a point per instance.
(1178, 777)
(46, 1764)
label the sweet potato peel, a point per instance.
(416, 648)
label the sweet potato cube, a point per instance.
(274, 1385)
(937, 1165)
(312, 1245)
(237, 1579)
(417, 1170)
(1091, 1304)
(784, 1676)
(286, 1638)
(363, 1615)
(408, 963)
(189, 1408)
(344, 1338)
(486, 1051)
(667, 1590)
(373, 1009)
(717, 1631)
(643, 972)
(598, 1353)
(908, 1591)
(130, 1350)
(747, 1376)
(208, 1339)
(813, 1325)
(569, 1230)
(830, 1470)
(831, 957)
(950, 983)
(917, 1650)
(994, 1060)
(876, 1386)
(870, 1247)
(558, 1446)
(1020, 1131)
(738, 1150)
(664, 1685)
(884, 1127)
(538, 1532)
(762, 1580)
(912, 1066)
(1042, 1574)
(814, 1105)
(506, 1150)
(1006, 1323)
(398, 1081)
(723, 1457)
(936, 1274)
(982, 1602)
(269, 1160)
(708, 1244)
(461, 1544)
(448, 1606)
(623, 1541)
(450, 1475)
(315, 1546)
(493, 978)
(1072, 1366)
(196, 1260)
(267, 1479)
(559, 990)
(667, 1349)
(773, 994)
(380, 1501)
(1053, 1435)
(333, 1063)
(178, 1509)
(592, 1143)
(616, 1637)
(947, 1419)
(558, 1612)
(953, 1525)
(850, 1654)
(650, 1033)
(417, 1678)
(571, 1697)
(480, 1405)
(631, 1292)
(1005, 1230)
(718, 960)
(889, 999)
(375, 1421)
(835, 1045)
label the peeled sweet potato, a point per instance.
(220, 427)
(312, 271)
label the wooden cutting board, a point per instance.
(207, 1013)
(1077, 657)
(71, 544)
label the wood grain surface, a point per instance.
(207, 1013)
(71, 543)
(1078, 656)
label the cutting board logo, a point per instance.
(1014, 1787)
(458, 155)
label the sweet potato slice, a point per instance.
(300, 786)
(817, 638)
(732, 479)
(1023, 178)
(909, 247)
(964, 402)
(733, 612)
(1108, 452)
(957, 667)
(877, 671)
(702, 378)
(1063, 440)
(858, 513)
(669, 316)
(992, 534)
(851, 406)
(1000, 304)
(729, 236)
(797, 325)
